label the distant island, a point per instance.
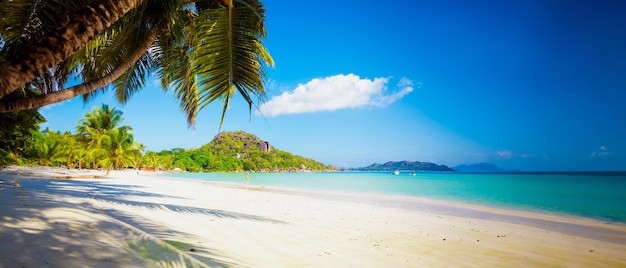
(405, 165)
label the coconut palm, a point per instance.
(150, 160)
(138, 158)
(165, 161)
(108, 143)
(203, 50)
(116, 149)
(47, 147)
(101, 120)
(80, 155)
(50, 38)
(70, 147)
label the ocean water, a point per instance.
(600, 196)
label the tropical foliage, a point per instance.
(232, 151)
(203, 50)
(47, 148)
(116, 149)
(16, 131)
(100, 142)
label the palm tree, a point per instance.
(116, 149)
(165, 161)
(50, 40)
(108, 143)
(138, 159)
(150, 160)
(101, 120)
(80, 154)
(47, 147)
(203, 50)
(70, 148)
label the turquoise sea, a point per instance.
(600, 195)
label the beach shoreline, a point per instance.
(138, 219)
(597, 229)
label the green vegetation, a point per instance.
(16, 134)
(232, 151)
(101, 141)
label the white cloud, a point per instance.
(50, 106)
(334, 93)
(505, 154)
(603, 152)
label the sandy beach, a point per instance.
(135, 219)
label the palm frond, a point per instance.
(229, 54)
(117, 45)
(15, 18)
(120, 43)
(22, 21)
(177, 73)
(133, 80)
(173, 55)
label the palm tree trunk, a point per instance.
(73, 33)
(107, 173)
(66, 94)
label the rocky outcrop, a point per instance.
(265, 146)
(243, 138)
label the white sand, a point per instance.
(137, 220)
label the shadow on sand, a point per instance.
(54, 223)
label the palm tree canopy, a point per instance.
(202, 50)
(101, 120)
(216, 53)
(116, 149)
(40, 34)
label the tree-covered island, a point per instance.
(233, 151)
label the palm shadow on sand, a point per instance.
(36, 237)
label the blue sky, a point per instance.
(526, 85)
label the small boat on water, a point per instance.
(397, 172)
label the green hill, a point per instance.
(240, 151)
(405, 165)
